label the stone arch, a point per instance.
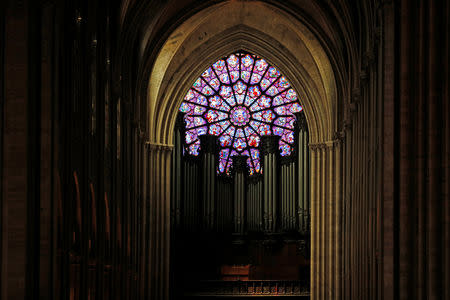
(286, 43)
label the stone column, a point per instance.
(337, 189)
(269, 150)
(21, 209)
(315, 246)
(144, 208)
(326, 273)
(159, 157)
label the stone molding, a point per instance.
(159, 147)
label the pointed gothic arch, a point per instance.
(287, 44)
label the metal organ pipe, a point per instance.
(250, 206)
(306, 174)
(300, 185)
(291, 196)
(303, 174)
(254, 216)
(269, 148)
(239, 169)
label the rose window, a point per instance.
(239, 99)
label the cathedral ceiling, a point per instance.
(311, 40)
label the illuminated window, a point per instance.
(239, 99)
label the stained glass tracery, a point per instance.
(239, 99)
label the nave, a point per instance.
(164, 149)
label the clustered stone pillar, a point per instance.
(159, 161)
(326, 221)
(208, 183)
(239, 170)
(415, 153)
(269, 151)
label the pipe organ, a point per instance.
(208, 182)
(276, 201)
(236, 226)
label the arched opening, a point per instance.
(91, 91)
(286, 43)
(240, 205)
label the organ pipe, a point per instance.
(177, 171)
(239, 170)
(254, 213)
(224, 204)
(303, 198)
(190, 192)
(209, 147)
(269, 149)
(277, 199)
(288, 194)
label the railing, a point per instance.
(217, 288)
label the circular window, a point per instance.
(239, 99)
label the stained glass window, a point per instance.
(240, 98)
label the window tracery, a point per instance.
(240, 98)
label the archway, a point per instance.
(288, 44)
(240, 198)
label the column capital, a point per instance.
(317, 146)
(325, 145)
(152, 146)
